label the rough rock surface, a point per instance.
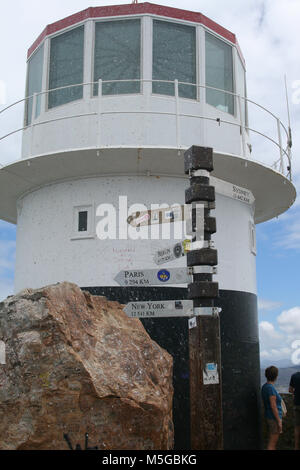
(77, 365)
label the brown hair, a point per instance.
(271, 373)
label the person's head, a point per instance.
(271, 373)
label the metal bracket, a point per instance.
(208, 311)
(198, 245)
(202, 270)
(193, 173)
(206, 204)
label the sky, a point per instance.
(268, 34)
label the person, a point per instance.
(295, 389)
(272, 404)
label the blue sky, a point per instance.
(268, 33)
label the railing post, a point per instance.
(33, 112)
(280, 145)
(177, 113)
(242, 126)
(99, 112)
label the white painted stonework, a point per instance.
(49, 251)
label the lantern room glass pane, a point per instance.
(219, 73)
(118, 56)
(174, 57)
(66, 67)
(241, 89)
(34, 83)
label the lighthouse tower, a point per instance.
(114, 97)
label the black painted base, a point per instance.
(240, 360)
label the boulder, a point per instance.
(79, 373)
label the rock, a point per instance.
(79, 372)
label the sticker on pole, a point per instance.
(210, 374)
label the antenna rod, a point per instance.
(288, 111)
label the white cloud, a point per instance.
(289, 321)
(276, 354)
(266, 305)
(7, 256)
(280, 340)
(268, 332)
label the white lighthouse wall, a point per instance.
(50, 250)
(132, 121)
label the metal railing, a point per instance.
(282, 163)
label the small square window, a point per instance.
(83, 222)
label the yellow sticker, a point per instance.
(186, 245)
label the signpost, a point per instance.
(161, 277)
(205, 381)
(204, 330)
(154, 277)
(168, 308)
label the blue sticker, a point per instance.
(163, 275)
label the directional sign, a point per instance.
(154, 277)
(153, 309)
(169, 214)
(157, 216)
(176, 251)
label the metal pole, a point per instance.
(204, 330)
(280, 145)
(242, 126)
(33, 113)
(99, 112)
(177, 113)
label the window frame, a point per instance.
(93, 45)
(197, 55)
(52, 36)
(233, 49)
(90, 232)
(244, 102)
(25, 120)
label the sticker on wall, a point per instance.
(162, 215)
(210, 374)
(174, 252)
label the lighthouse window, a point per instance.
(82, 221)
(34, 83)
(241, 89)
(83, 225)
(117, 56)
(219, 73)
(66, 67)
(174, 57)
